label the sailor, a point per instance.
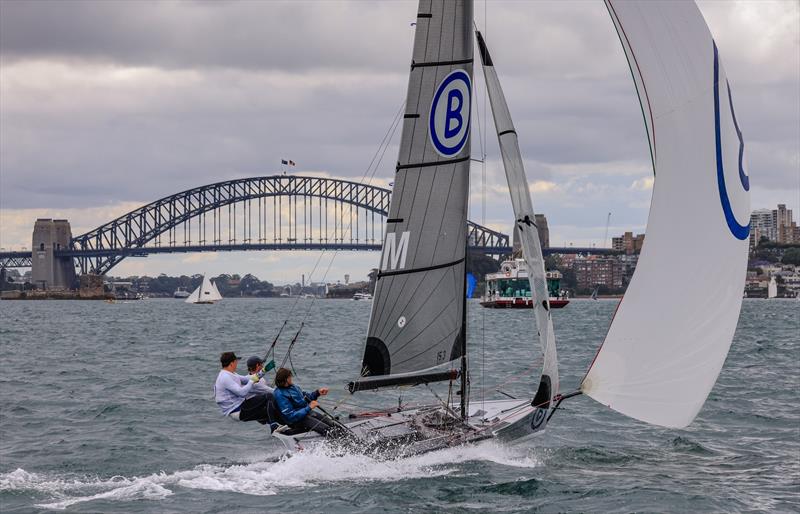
(255, 366)
(297, 407)
(232, 392)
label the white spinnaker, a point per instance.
(672, 330)
(525, 229)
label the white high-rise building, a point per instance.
(763, 224)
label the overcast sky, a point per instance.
(105, 106)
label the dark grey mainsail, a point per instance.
(416, 328)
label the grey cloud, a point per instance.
(248, 34)
(115, 101)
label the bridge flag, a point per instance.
(288, 162)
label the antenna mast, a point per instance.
(605, 237)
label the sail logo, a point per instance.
(394, 251)
(738, 230)
(449, 117)
(538, 418)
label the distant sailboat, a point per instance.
(205, 293)
(772, 289)
(594, 293)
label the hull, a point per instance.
(394, 435)
(521, 303)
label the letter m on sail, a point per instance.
(394, 252)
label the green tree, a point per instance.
(791, 256)
(552, 262)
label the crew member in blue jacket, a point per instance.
(297, 406)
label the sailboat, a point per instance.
(772, 288)
(659, 359)
(205, 293)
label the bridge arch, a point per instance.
(142, 231)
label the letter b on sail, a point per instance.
(449, 116)
(394, 252)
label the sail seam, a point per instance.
(423, 329)
(432, 347)
(509, 131)
(432, 163)
(439, 63)
(382, 274)
(396, 309)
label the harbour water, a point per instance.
(108, 408)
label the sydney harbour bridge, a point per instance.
(278, 212)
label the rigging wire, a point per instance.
(366, 178)
(483, 220)
(482, 132)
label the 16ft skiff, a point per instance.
(664, 350)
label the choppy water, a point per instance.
(108, 408)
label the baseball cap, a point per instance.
(253, 361)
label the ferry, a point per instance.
(181, 293)
(509, 288)
(362, 296)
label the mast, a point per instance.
(464, 363)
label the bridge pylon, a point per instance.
(49, 270)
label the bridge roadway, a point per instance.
(22, 259)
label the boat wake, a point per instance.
(264, 477)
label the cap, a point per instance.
(228, 357)
(253, 361)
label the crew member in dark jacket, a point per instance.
(297, 406)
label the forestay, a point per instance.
(672, 330)
(416, 328)
(527, 233)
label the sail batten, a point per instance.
(525, 228)
(416, 321)
(667, 343)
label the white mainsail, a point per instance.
(665, 348)
(527, 233)
(772, 289)
(206, 292)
